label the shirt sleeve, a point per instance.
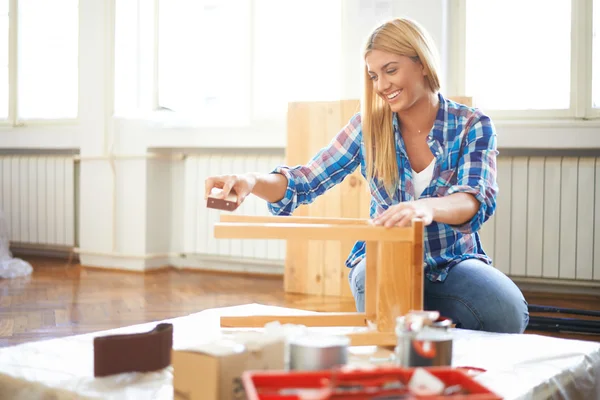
(327, 168)
(476, 172)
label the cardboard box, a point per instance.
(213, 371)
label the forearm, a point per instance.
(455, 209)
(269, 187)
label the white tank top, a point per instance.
(422, 179)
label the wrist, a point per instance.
(430, 204)
(251, 179)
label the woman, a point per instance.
(424, 156)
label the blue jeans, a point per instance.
(474, 295)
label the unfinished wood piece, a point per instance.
(418, 265)
(393, 276)
(314, 267)
(310, 127)
(324, 319)
(394, 281)
(293, 219)
(372, 254)
(317, 232)
(372, 338)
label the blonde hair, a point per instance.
(406, 38)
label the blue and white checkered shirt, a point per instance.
(463, 141)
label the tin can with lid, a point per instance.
(318, 352)
(423, 340)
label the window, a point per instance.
(596, 56)
(48, 62)
(46, 44)
(530, 58)
(513, 63)
(296, 63)
(227, 62)
(3, 59)
(204, 58)
(126, 51)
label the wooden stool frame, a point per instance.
(394, 270)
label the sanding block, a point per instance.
(228, 203)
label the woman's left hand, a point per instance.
(402, 214)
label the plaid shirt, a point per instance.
(463, 141)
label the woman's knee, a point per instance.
(481, 298)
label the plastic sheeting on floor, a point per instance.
(517, 366)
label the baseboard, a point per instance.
(127, 263)
(557, 286)
(228, 264)
(23, 250)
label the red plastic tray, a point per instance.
(366, 384)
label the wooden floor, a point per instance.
(59, 299)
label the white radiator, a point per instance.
(199, 221)
(547, 223)
(38, 199)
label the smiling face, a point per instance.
(398, 80)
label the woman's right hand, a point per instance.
(242, 185)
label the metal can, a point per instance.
(423, 341)
(318, 352)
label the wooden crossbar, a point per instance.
(249, 230)
(292, 219)
(326, 319)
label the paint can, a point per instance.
(423, 340)
(318, 352)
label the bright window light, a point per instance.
(297, 53)
(204, 70)
(126, 56)
(48, 59)
(513, 63)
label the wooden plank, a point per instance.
(316, 139)
(394, 281)
(296, 276)
(568, 218)
(503, 212)
(535, 217)
(585, 218)
(383, 339)
(551, 254)
(372, 254)
(316, 232)
(418, 265)
(518, 220)
(322, 319)
(292, 219)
